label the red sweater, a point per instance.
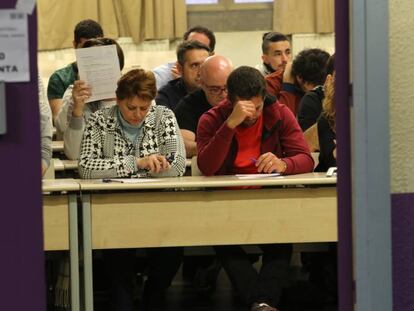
(285, 92)
(217, 146)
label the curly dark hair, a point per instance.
(310, 65)
(245, 83)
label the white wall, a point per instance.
(243, 48)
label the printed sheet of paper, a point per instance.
(257, 176)
(14, 47)
(99, 67)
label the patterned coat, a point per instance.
(107, 153)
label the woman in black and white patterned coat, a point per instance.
(134, 137)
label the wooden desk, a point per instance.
(62, 165)
(70, 164)
(60, 226)
(124, 219)
(58, 164)
(57, 145)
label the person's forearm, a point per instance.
(73, 138)
(212, 151)
(55, 105)
(190, 148)
(298, 164)
(122, 166)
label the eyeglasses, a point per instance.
(216, 90)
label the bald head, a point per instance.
(213, 75)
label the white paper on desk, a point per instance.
(99, 67)
(257, 176)
(14, 46)
(133, 180)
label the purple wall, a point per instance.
(21, 233)
(342, 99)
(403, 251)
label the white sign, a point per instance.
(14, 46)
(99, 67)
(26, 6)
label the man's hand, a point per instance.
(175, 72)
(242, 109)
(269, 163)
(155, 163)
(287, 74)
(81, 92)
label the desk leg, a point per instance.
(74, 253)
(87, 251)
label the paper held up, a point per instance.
(99, 67)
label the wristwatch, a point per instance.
(284, 166)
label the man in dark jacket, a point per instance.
(249, 133)
(190, 56)
(213, 77)
(310, 106)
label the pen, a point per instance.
(107, 180)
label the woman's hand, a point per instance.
(155, 163)
(81, 92)
(269, 163)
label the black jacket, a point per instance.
(171, 93)
(310, 108)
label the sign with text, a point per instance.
(14, 46)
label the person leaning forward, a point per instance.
(252, 125)
(135, 137)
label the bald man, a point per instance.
(213, 78)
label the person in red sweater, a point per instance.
(249, 125)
